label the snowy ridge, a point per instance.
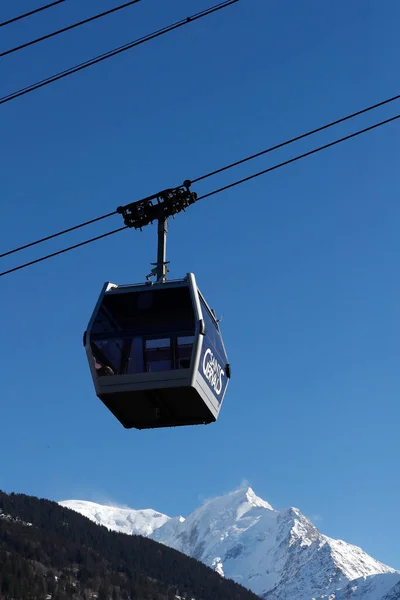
(362, 564)
(280, 555)
(124, 520)
(373, 587)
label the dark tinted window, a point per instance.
(152, 311)
(146, 331)
(158, 355)
(184, 351)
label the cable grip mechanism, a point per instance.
(160, 207)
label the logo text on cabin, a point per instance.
(213, 371)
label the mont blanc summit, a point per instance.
(280, 555)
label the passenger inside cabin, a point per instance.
(102, 370)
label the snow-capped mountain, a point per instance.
(124, 520)
(279, 555)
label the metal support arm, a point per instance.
(162, 249)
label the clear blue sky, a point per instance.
(302, 263)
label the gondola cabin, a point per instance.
(156, 354)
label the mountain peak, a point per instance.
(279, 555)
(256, 500)
(243, 499)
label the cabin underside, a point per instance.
(169, 407)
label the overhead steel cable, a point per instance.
(68, 28)
(54, 235)
(297, 138)
(30, 13)
(231, 165)
(299, 157)
(115, 51)
(42, 258)
(218, 190)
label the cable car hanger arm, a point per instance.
(166, 203)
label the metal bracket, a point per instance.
(159, 207)
(166, 203)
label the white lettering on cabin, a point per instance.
(213, 371)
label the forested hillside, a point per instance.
(47, 551)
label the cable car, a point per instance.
(156, 354)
